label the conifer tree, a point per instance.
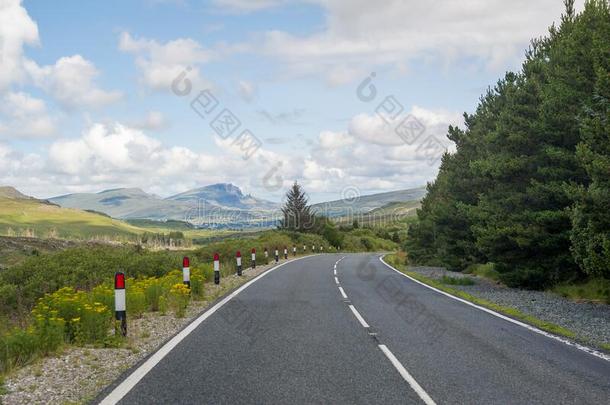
(296, 211)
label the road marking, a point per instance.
(506, 318)
(359, 317)
(128, 383)
(336, 280)
(408, 377)
(335, 271)
(342, 292)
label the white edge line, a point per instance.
(128, 383)
(359, 317)
(568, 342)
(342, 292)
(408, 377)
(336, 280)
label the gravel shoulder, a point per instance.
(77, 374)
(590, 321)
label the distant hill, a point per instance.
(12, 193)
(224, 202)
(368, 203)
(224, 195)
(21, 215)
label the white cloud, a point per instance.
(161, 63)
(359, 35)
(16, 30)
(71, 80)
(25, 116)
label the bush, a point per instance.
(179, 298)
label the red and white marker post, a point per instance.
(294, 250)
(186, 271)
(277, 255)
(216, 268)
(285, 253)
(238, 258)
(253, 258)
(120, 309)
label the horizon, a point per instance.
(200, 187)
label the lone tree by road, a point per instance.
(297, 213)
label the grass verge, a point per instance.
(457, 280)
(594, 290)
(508, 311)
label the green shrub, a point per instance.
(457, 280)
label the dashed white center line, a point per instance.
(336, 280)
(335, 271)
(408, 377)
(342, 293)
(359, 317)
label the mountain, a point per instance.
(12, 193)
(225, 195)
(217, 205)
(367, 203)
(225, 202)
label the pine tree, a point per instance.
(297, 213)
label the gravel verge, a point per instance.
(590, 321)
(77, 374)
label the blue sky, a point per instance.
(87, 102)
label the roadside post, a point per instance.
(266, 254)
(186, 271)
(238, 258)
(285, 253)
(277, 255)
(253, 258)
(304, 248)
(216, 268)
(313, 248)
(120, 310)
(294, 250)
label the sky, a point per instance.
(347, 97)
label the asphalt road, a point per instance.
(295, 337)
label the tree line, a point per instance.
(528, 188)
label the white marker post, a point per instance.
(120, 309)
(186, 271)
(285, 253)
(277, 256)
(253, 258)
(304, 248)
(238, 258)
(321, 248)
(313, 248)
(216, 268)
(294, 250)
(266, 254)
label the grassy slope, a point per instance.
(382, 216)
(46, 220)
(37, 219)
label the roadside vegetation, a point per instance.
(525, 198)
(398, 262)
(57, 297)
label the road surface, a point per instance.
(336, 329)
